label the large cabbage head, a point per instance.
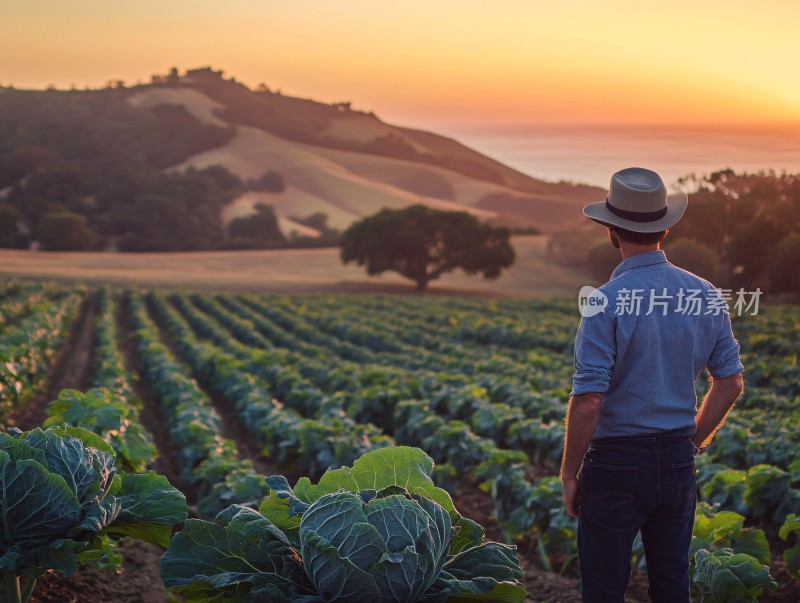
(62, 501)
(371, 546)
(52, 485)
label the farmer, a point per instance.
(633, 428)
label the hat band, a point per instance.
(637, 216)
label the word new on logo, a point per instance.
(591, 301)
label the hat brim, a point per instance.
(676, 205)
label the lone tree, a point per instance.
(423, 243)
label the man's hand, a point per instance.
(582, 415)
(716, 406)
(571, 495)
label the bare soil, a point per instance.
(138, 582)
(541, 585)
(70, 370)
(788, 588)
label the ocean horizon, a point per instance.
(591, 153)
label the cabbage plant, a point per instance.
(374, 546)
(723, 575)
(110, 417)
(379, 531)
(62, 503)
(791, 556)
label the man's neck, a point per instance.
(631, 249)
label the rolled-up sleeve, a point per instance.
(724, 360)
(595, 352)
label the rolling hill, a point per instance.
(349, 164)
(332, 160)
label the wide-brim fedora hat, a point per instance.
(638, 201)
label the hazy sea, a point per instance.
(590, 154)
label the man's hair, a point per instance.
(639, 238)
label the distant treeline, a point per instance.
(87, 171)
(739, 231)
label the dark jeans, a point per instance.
(637, 483)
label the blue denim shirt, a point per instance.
(646, 359)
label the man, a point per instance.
(633, 428)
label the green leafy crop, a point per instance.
(374, 546)
(791, 555)
(62, 502)
(725, 529)
(379, 531)
(725, 576)
(100, 412)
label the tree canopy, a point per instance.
(66, 231)
(749, 219)
(421, 244)
(739, 231)
(257, 230)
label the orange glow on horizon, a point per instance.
(457, 61)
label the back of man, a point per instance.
(632, 427)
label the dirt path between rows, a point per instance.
(541, 585)
(231, 427)
(152, 416)
(139, 581)
(70, 370)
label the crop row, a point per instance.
(494, 406)
(206, 461)
(448, 416)
(285, 435)
(20, 302)
(535, 371)
(111, 409)
(318, 381)
(771, 384)
(28, 348)
(306, 388)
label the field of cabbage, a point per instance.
(216, 391)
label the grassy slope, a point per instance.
(347, 185)
(284, 271)
(346, 164)
(253, 152)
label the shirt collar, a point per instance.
(641, 259)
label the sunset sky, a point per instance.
(500, 61)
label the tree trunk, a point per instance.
(422, 284)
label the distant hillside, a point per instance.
(142, 168)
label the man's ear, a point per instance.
(612, 236)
